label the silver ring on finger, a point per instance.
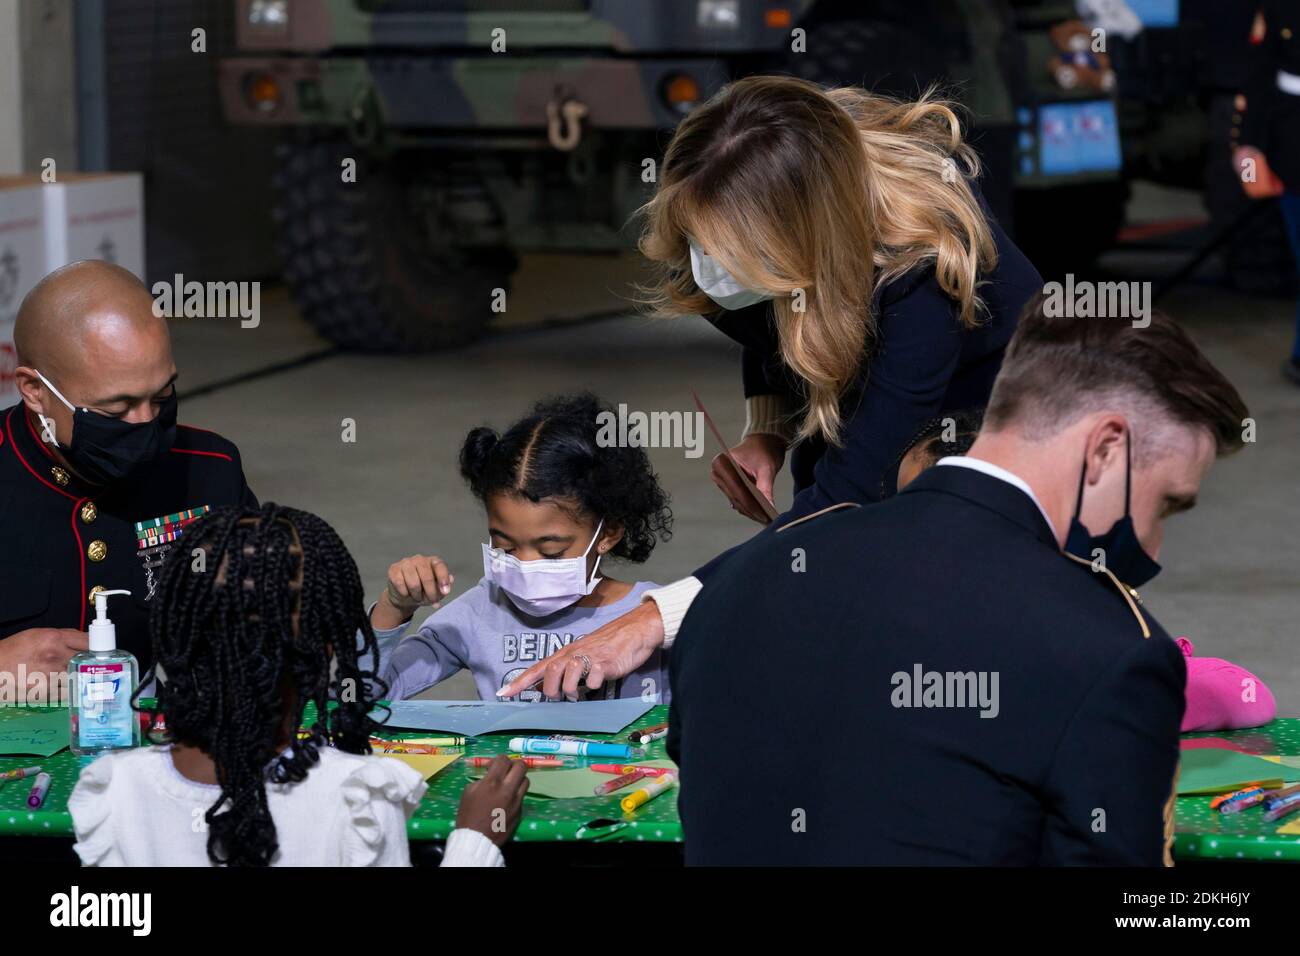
(586, 664)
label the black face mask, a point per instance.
(107, 450)
(1121, 551)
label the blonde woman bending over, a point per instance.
(840, 237)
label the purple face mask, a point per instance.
(542, 587)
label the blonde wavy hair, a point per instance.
(829, 193)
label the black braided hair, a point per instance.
(554, 453)
(966, 426)
(243, 641)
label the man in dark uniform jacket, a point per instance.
(939, 679)
(92, 499)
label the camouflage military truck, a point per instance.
(427, 142)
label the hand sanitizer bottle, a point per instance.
(102, 680)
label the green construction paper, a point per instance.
(41, 733)
(580, 782)
(575, 784)
(1214, 770)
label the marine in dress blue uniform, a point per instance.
(62, 539)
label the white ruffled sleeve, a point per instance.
(380, 797)
(471, 848)
(92, 814)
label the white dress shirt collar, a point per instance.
(996, 471)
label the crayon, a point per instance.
(40, 788)
(617, 768)
(572, 748)
(647, 734)
(618, 783)
(20, 773)
(529, 762)
(1281, 808)
(420, 741)
(647, 792)
(393, 747)
(1236, 794)
(1244, 801)
(1283, 793)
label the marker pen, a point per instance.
(40, 787)
(647, 792)
(618, 783)
(20, 773)
(573, 748)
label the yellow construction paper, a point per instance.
(1292, 826)
(427, 765)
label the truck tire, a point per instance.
(361, 265)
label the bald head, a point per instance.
(76, 310)
(89, 328)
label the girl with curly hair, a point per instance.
(560, 504)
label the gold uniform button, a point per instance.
(90, 598)
(97, 551)
(1286, 33)
(59, 474)
(89, 512)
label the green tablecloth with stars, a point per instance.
(1200, 833)
(587, 819)
(1204, 834)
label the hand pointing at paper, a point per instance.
(615, 650)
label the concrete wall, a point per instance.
(38, 106)
(11, 99)
(49, 100)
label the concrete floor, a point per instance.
(1232, 566)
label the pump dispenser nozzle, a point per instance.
(103, 632)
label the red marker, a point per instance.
(621, 768)
(618, 783)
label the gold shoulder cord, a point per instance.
(1131, 597)
(1128, 593)
(818, 514)
(1169, 817)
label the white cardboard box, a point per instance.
(22, 264)
(47, 225)
(95, 216)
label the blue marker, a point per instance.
(572, 748)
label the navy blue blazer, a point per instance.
(925, 364)
(799, 742)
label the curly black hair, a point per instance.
(244, 640)
(554, 453)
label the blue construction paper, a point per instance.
(471, 718)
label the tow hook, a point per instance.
(564, 123)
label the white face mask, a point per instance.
(540, 588)
(720, 285)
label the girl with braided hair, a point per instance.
(560, 503)
(253, 620)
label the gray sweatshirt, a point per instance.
(483, 631)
